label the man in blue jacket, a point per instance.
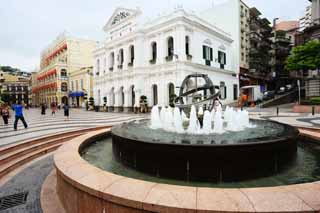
(18, 108)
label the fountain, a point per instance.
(206, 146)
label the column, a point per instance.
(161, 49)
(125, 57)
(179, 43)
(139, 52)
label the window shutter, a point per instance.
(225, 58)
(204, 52)
(211, 54)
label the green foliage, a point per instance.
(315, 101)
(304, 57)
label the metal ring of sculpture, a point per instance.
(208, 89)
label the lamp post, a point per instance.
(275, 53)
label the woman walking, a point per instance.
(43, 109)
(53, 108)
(66, 111)
(5, 113)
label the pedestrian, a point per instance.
(53, 108)
(18, 108)
(5, 113)
(43, 109)
(66, 111)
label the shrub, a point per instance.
(315, 100)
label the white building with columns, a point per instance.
(152, 58)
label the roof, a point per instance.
(287, 25)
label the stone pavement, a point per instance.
(39, 125)
(28, 180)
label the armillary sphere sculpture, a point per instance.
(198, 90)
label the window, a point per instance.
(63, 73)
(131, 55)
(111, 58)
(170, 43)
(223, 90)
(222, 59)
(207, 54)
(153, 53)
(72, 85)
(155, 94)
(235, 92)
(64, 87)
(120, 58)
(187, 46)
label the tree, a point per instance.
(304, 57)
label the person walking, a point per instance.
(53, 108)
(43, 109)
(5, 113)
(18, 108)
(66, 111)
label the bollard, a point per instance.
(277, 111)
(313, 109)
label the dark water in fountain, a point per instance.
(263, 130)
(305, 168)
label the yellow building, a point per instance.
(81, 86)
(60, 59)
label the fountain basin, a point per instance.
(232, 156)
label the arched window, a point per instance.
(120, 59)
(111, 61)
(153, 53)
(188, 47)
(64, 87)
(122, 96)
(155, 94)
(131, 56)
(133, 96)
(98, 67)
(170, 44)
(171, 93)
(63, 73)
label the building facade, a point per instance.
(81, 86)
(306, 20)
(152, 58)
(61, 58)
(15, 87)
(234, 17)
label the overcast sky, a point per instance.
(28, 26)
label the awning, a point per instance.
(76, 94)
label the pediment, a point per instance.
(119, 16)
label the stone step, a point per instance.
(13, 147)
(34, 147)
(10, 166)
